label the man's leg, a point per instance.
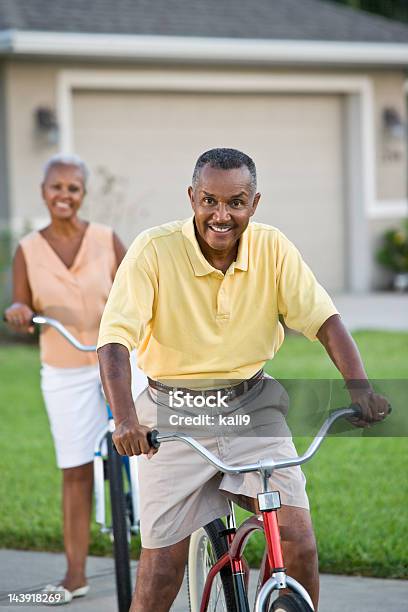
(159, 576)
(299, 548)
(298, 543)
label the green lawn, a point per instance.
(357, 486)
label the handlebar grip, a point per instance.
(34, 315)
(152, 438)
(357, 410)
(32, 321)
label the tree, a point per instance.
(393, 9)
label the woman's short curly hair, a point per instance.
(65, 159)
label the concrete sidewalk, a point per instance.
(23, 572)
(377, 310)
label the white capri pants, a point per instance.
(77, 410)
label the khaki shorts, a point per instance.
(180, 492)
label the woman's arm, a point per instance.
(119, 248)
(20, 313)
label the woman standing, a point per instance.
(65, 271)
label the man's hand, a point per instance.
(344, 353)
(374, 407)
(130, 438)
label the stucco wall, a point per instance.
(29, 85)
(4, 196)
(391, 157)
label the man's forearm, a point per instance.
(116, 378)
(342, 350)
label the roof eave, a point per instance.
(199, 49)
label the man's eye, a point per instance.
(237, 204)
(73, 188)
(209, 201)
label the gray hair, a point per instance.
(64, 159)
(225, 159)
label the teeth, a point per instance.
(62, 205)
(220, 229)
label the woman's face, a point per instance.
(63, 191)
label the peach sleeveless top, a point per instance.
(76, 296)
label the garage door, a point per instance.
(141, 148)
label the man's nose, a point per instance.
(222, 212)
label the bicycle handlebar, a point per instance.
(40, 320)
(155, 439)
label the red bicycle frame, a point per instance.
(237, 540)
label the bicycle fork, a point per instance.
(239, 568)
(269, 503)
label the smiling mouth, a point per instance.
(62, 206)
(220, 229)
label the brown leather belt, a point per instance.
(232, 392)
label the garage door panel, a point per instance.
(141, 148)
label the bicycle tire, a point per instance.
(206, 547)
(290, 602)
(120, 528)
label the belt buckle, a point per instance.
(231, 393)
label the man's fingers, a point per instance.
(131, 439)
(374, 408)
(134, 447)
(144, 445)
(379, 407)
(359, 422)
(119, 447)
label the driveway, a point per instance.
(25, 571)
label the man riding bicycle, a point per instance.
(200, 300)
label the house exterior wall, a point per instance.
(29, 85)
(161, 134)
(391, 153)
(4, 178)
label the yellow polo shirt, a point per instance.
(189, 320)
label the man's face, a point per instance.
(223, 204)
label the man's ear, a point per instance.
(255, 203)
(42, 191)
(191, 196)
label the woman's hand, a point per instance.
(19, 317)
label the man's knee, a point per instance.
(297, 534)
(306, 550)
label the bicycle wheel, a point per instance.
(206, 546)
(120, 528)
(290, 602)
